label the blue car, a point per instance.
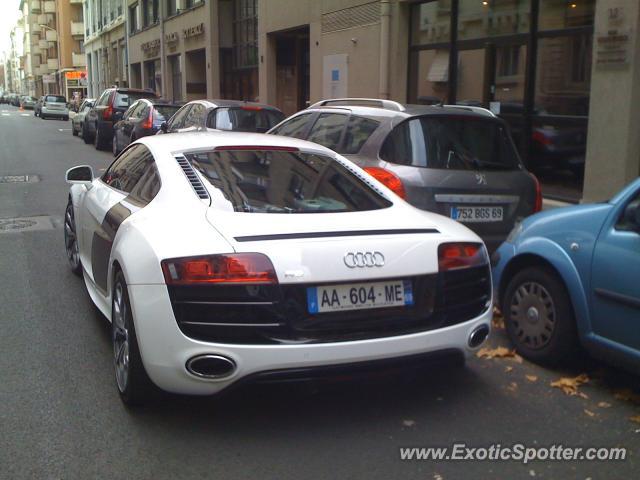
(571, 277)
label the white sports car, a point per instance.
(221, 257)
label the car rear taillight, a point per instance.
(537, 207)
(388, 179)
(541, 138)
(232, 268)
(148, 123)
(453, 256)
(107, 113)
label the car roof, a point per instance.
(236, 103)
(183, 142)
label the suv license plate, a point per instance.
(359, 296)
(477, 214)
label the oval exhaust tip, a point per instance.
(478, 336)
(211, 366)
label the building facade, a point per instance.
(105, 44)
(535, 63)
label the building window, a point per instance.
(133, 18)
(508, 61)
(172, 7)
(150, 12)
(245, 34)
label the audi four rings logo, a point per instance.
(364, 259)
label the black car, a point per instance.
(233, 115)
(142, 119)
(107, 111)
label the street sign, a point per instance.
(48, 78)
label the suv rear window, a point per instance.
(277, 181)
(451, 142)
(55, 99)
(126, 99)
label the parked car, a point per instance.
(15, 100)
(27, 102)
(230, 115)
(37, 108)
(458, 161)
(54, 106)
(142, 119)
(184, 247)
(107, 111)
(77, 121)
(569, 277)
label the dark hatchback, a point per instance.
(108, 110)
(230, 115)
(457, 161)
(143, 118)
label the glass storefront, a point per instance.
(529, 61)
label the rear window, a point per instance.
(165, 112)
(245, 120)
(285, 182)
(451, 142)
(126, 99)
(55, 99)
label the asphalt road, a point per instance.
(60, 416)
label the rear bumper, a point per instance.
(165, 349)
(54, 113)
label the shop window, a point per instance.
(429, 76)
(508, 61)
(150, 12)
(430, 22)
(490, 18)
(558, 14)
(172, 7)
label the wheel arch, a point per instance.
(546, 253)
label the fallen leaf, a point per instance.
(408, 423)
(513, 386)
(635, 419)
(437, 476)
(497, 320)
(532, 378)
(583, 395)
(589, 412)
(508, 368)
(570, 385)
(627, 395)
(517, 358)
(499, 352)
(604, 404)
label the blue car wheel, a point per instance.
(539, 317)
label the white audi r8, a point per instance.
(221, 257)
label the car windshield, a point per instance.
(126, 99)
(55, 99)
(278, 181)
(165, 112)
(451, 142)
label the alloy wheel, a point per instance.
(71, 239)
(120, 336)
(533, 314)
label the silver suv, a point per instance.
(458, 161)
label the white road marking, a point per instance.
(6, 115)
(64, 129)
(25, 114)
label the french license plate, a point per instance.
(477, 214)
(359, 296)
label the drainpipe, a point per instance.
(385, 20)
(163, 77)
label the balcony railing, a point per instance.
(77, 28)
(49, 6)
(35, 6)
(52, 63)
(43, 44)
(78, 59)
(51, 35)
(72, 2)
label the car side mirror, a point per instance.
(82, 175)
(632, 215)
(164, 127)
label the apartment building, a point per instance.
(105, 44)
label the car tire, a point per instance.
(97, 140)
(85, 135)
(71, 240)
(43, 117)
(133, 383)
(539, 317)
